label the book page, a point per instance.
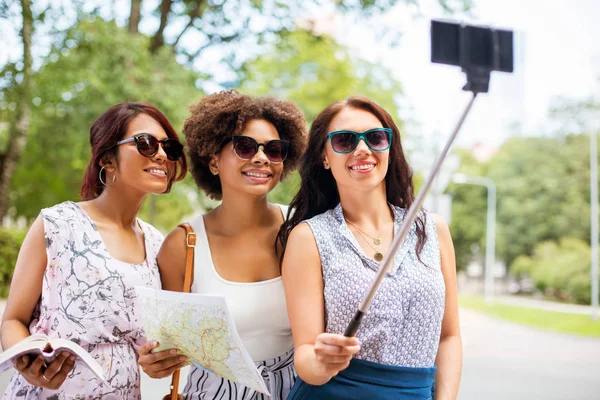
(34, 345)
(201, 328)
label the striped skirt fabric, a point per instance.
(279, 375)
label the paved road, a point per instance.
(503, 361)
(508, 361)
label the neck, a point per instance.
(368, 210)
(239, 212)
(119, 207)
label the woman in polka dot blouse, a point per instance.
(356, 187)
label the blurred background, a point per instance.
(517, 190)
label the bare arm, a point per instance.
(449, 357)
(318, 356)
(171, 264)
(28, 278)
(171, 260)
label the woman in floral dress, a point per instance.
(79, 262)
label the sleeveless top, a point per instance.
(88, 297)
(258, 308)
(403, 324)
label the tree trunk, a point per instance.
(135, 15)
(20, 128)
(159, 39)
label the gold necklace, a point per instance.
(378, 256)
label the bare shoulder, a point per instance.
(441, 227)
(301, 247)
(446, 246)
(302, 233)
(174, 244)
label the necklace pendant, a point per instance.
(377, 241)
(378, 256)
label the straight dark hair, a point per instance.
(111, 127)
(318, 189)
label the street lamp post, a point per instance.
(490, 236)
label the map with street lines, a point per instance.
(201, 328)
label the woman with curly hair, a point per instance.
(240, 148)
(356, 188)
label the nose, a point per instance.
(260, 157)
(160, 154)
(362, 148)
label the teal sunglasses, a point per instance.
(345, 141)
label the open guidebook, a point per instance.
(40, 344)
(201, 328)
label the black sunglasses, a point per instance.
(246, 148)
(147, 145)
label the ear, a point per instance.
(108, 161)
(213, 165)
(325, 162)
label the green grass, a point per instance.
(550, 320)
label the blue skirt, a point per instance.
(369, 380)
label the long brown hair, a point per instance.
(318, 190)
(111, 127)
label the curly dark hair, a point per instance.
(219, 116)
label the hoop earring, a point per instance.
(100, 177)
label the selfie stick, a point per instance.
(409, 219)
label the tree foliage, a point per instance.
(559, 269)
(95, 66)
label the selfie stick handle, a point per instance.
(409, 219)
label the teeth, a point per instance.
(157, 171)
(362, 167)
(257, 175)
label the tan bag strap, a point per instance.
(190, 242)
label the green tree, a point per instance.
(469, 208)
(559, 269)
(19, 124)
(543, 195)
(96, 65)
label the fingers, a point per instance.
(173, 365)
(35, 369)
(337, 340)
(55, 366)
(153, 358)
(147, 347)
(160, 364)
(335, 352)
(67, 366)
(22, 363)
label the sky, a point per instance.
(556, 56)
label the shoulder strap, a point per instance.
(190, 242)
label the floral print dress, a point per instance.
(88, 297)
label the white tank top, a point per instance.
(258, 308)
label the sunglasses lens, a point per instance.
(378, 140)
(147, 145)
(276, 151)
(245, 147)
(344, 142)
(173, 149)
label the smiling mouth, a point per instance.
(156, 171)
(257, 175)
(362, 167)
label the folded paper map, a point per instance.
(201, 328)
